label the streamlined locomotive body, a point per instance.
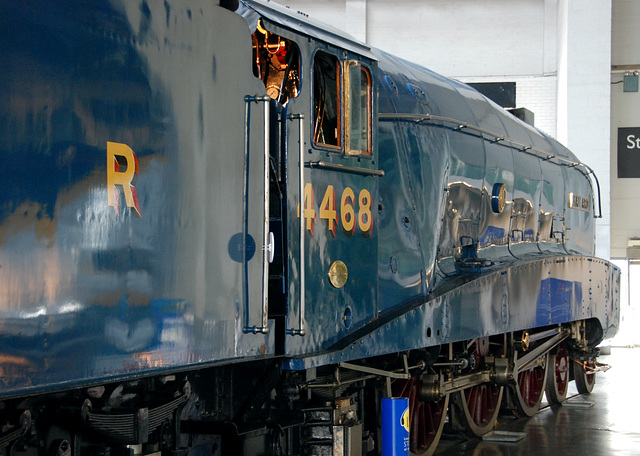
(230, 229)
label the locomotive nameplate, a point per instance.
(579, 202)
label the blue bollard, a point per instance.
(395, 426)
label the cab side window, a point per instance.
(358, 104)
(276, 61)
(326, 100)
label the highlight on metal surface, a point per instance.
(338, 274)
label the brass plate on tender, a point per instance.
(579, 202)
(338, 274)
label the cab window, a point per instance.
(276, 62)
(326, 100)
(358, 104)
(342, 105)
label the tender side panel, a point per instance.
(124, 199)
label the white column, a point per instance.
(356, 13)
(550, 52)
(584, 68)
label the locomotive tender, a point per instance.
(228, 229)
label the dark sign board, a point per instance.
(629, 152)
(502, 93)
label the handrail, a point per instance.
(347, 169)
(266, 245)
(496, 138)
(301, 330)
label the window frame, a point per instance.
(348, 115)
(344, 66)
(339, 101)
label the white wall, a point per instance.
(625, 112)
(458, 38)
(493, 40)
(444, 35)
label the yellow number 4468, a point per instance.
(328, 212)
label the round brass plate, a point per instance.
(338, 274)
(498, 197)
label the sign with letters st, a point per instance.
(629, 152)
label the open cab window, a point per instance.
(358, 109)
(342, 105)
(326, 101)
(276, 61)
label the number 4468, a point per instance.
(328, 210)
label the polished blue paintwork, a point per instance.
(436, 195)
(92, 292)
(88, 293)
(527, 295)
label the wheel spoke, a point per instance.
(477, 407)
(478, 415)
(426, 418)
(584, 375)
(527, 394)
(558, 376)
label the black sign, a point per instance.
(629, 152)
(503, 93)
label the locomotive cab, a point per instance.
(323, 176)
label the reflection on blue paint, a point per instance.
(555, 301)
(493, 235)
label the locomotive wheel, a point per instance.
(558, 376)
(426, 418)
(584, 375)
(477, 407)
(528, 390)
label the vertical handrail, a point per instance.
(245, 210)
(301, 331)
(266, 245)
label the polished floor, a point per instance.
(604, 423)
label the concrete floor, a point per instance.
(604, 423)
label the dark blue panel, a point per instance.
(555, 300)
(90, 290)
(543, 311)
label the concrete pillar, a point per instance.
(356, 15)
(584, 68)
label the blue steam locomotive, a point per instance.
(228, 229)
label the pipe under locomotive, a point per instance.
(228, 229)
